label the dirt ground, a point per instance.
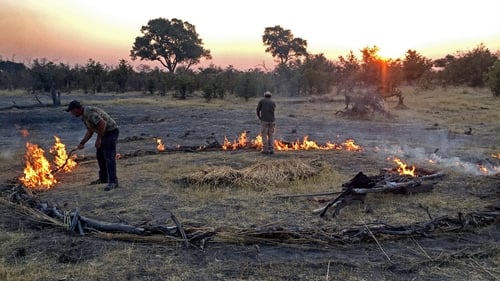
(150, 189)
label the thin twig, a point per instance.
(307, 194)
(422, 249)
(328, 271)
(380, 246)
(485, 270)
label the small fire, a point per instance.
(37, 172)
(305, 144)
(24, 133)
(403, 168)
(257, 142)
(61, 157)
(159, 144)
(483, 169)
(241, 142)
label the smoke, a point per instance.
(420, 157)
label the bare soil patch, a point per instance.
(153, 185)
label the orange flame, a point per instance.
(257, 142)
(482, 169)
(305, 144)
(403, 168)
(61, 157)
(159, 144)
(241, 142)
(37, 172)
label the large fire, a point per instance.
(305, 144)
(38, 172)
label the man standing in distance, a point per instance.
(265, 112)
(98, 121)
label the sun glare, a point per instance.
(391, 52)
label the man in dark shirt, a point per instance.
(265, 112)
(98, 121)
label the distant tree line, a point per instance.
(178, 48)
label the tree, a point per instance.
(415, 65)
(318, 74)
(372, 67)
(468, 68)
(493, 78)
(49, 77)
(347, 73)
(171, 42)
(212, 82)
(12, 74)
(121, 75)
(251, 83)
(282, 45)
(95, 73)
(184, 83)
(383, 73)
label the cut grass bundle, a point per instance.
(263, 173)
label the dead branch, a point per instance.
(269, 234)
(307, 194)
(357, 188)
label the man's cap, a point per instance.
(267, 94)
(73, 104)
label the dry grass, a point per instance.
(258, 175)
(231, 191)
(456, 108)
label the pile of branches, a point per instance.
(388, 180)
(25, 201)
(364, 105)
(22, 201)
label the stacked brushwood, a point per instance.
(389, 180)
(21, 201)
(25, 201)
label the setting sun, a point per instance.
(74, 31)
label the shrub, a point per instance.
(493, 78)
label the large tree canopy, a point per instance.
(171, 42)
(282, 44)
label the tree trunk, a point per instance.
(56, 97)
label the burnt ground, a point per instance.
(471, 253)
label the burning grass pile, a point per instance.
(263, 173)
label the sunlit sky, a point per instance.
(74, 31)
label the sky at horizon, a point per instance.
(74, 31)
